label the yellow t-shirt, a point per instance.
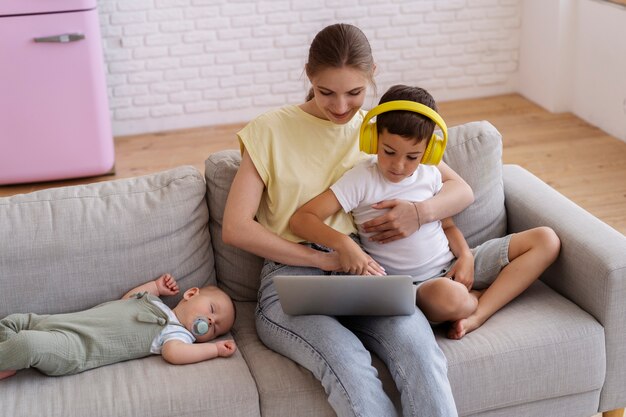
(298, 156)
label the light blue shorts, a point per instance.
(489, 259)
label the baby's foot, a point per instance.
(6, 374)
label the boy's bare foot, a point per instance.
(460, 328)
(6, 374)
(456, 330)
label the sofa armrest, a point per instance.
(590, 270)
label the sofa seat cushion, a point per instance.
(285, 388)
(71, 248)
(540, 346)
(143, 387)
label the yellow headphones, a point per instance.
(368, 137)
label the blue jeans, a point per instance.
(336, 350)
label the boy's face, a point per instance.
(398, 157)
(212, 305)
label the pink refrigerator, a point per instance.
(54, 115)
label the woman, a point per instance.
(292, 154)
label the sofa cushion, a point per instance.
(285, 388)
(474, 151)
(238, 271)
(143, 387)
(70, 248)
(551, 347)
(554, 349)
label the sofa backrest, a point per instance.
(70, 248)
(474, 151)
(238, 271)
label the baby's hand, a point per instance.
(166, 285)
(225, 348)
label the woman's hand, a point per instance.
(405, 217)
(327, 261)
(400, 221)
(463, 270)
(374, 268)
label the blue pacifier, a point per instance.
(201, 326)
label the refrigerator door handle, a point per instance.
(67, 37)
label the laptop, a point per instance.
(346, 295)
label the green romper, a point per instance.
(63, 344)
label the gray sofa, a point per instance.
(557, 350)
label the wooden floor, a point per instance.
(580, 161)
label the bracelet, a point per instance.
(419, 223)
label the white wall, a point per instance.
(183, 63)
(600, 78)
(573, 58)
(546, 53)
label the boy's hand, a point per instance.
(463, 270)
(355, 261)
(225, 348)
(166, 285)
(330, 261)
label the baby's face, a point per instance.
(215, 307)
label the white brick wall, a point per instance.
(182, 63)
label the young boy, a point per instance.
(138, 325)
(450, 277)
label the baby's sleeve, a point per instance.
(169, 333)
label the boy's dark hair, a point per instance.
(405, 123)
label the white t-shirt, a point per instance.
(173, 331)
(424, 253)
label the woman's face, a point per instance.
(339, 93)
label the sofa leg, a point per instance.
(614, 413)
